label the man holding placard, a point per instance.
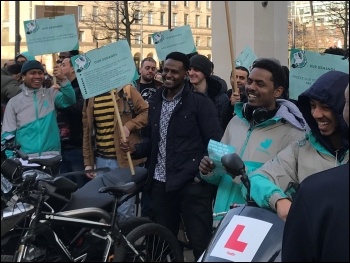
(31, 115)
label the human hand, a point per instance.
(57, 72)
(90, 175)
(56, 86)
(206, 165)
(282, 208)
(235, 97)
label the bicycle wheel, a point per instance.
(126, 226)
(153, 243)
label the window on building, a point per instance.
(198, 4)
(150, 18)
(186, 16)
(174, 20)
(95, 11)
(198, 41)
(173, 2)
(81, 36)
(162, 18)
(150, 40)
(208, 4)
(81, 12)
(138, 39)
(137, 15)
(208, 22)
(208, 41)
(198, 21)
(186, 3)
(163, 2)
(110, 13)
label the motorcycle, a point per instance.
(246, 232)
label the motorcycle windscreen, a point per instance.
(246, 234)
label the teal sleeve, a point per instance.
(262, 189)
(213, 179)
(8, 153)
(66, 96)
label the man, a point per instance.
(31, 115)
(324, 147)
(71, 128)
(241, 79)
(102, 135)
(202, 81)
(10, 80)
(317, 226)
(181, 123)
(147, 85)
(9, 63)
(24, 57)
(259, 130)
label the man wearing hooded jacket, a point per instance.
(317, 226)
(325, 146)
(260, 129)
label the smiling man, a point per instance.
(260, 129)
(325, 146)
(31, 115)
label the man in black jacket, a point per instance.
(71, 128)
(317, 226)
(180, 124)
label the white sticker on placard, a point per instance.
(241, 239)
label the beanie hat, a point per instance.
(31, 64)
(26, 55)
(15, 68)
(202, 63)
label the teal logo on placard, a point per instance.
(299, 59)
(82, 62)
(31, 27)
(158, 37)
(238, 63)
(266, 144)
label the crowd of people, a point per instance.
(296, 151)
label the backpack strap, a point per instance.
(127, 98)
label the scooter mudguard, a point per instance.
(246, 234)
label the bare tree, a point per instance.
(113, 19)
(338, 13)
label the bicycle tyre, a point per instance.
(126, 226)
(153, 241)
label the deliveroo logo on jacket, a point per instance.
(264, 146)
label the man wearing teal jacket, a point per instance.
(259, 130)
(325, 146)
(31, 115)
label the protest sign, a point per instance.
(104, 69)
(178, 39)
(246, 58)
(216, 150)
(307, 66)
(51, 35)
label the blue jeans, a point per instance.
(72, 161)
(127, 209)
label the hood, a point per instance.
(290, 112)
(26, 55)
(328, 89)
(222, 82)
(30, 92)
(214, 87)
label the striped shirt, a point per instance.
(104, 120)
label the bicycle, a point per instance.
(70, 235)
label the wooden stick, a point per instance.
(54, 59)
(116, 111)
(235, 89)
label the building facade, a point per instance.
(150, 17)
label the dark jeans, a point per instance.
(194, 203)
(72, 161)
